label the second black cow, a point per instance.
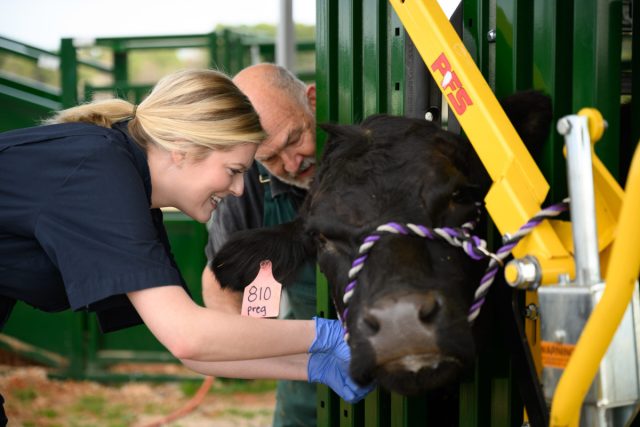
(404, 299)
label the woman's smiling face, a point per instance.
(201, 184)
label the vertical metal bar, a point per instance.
(214, 60)
(226, 51)
(326, 66)
(349, 61)
(513, 72)
(374, 100)
(474, 396)
(68, 73)
(583, 212)
(596, 69)
(395, 99)
(377, 408)
(328, 403)
(351, 415)
(120, 67)
(395, 64)
(420, 94)
(476, 27)
(552, 73)
(78, 358)
(350, 111)
(285, 37)
(513, 46)
(326, 111)
(374, 51)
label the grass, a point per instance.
(225, 386)
(246, 414)
(40, 404)
(25, 395)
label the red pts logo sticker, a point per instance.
(458, 97)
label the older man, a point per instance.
(275, 187)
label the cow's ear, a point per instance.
(531, 114)
(343, 137)
(237, 262)
(335, 135)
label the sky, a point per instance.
(42, 23)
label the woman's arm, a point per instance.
(218, 343)
(192, 332)
(284, 367)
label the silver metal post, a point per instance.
(285, 41)
(583, 213)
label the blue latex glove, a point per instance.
(329, 361)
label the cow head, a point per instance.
(407, 314)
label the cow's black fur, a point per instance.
(402, 170)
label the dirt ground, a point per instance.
(33, 399)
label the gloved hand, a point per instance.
(329, 361)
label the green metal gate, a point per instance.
(366, 64)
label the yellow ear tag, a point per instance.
(262, 296)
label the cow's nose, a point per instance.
(398, 311)
(395, 322)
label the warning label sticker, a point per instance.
(556, 355)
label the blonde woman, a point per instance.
(81, 227)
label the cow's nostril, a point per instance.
(371, 323)
(428, 310)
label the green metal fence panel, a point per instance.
(68, 73)
(568, 49)
(23, 104)
(51, 339)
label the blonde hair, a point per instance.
(192, 111)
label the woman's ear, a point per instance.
(177, 157)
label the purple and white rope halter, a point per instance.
(461, 237)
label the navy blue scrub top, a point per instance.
(76, 228)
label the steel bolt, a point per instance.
(531, 312)
(523, 273)
(563, 126)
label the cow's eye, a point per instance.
(466, 194)
(321, 238)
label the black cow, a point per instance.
(407, 314)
